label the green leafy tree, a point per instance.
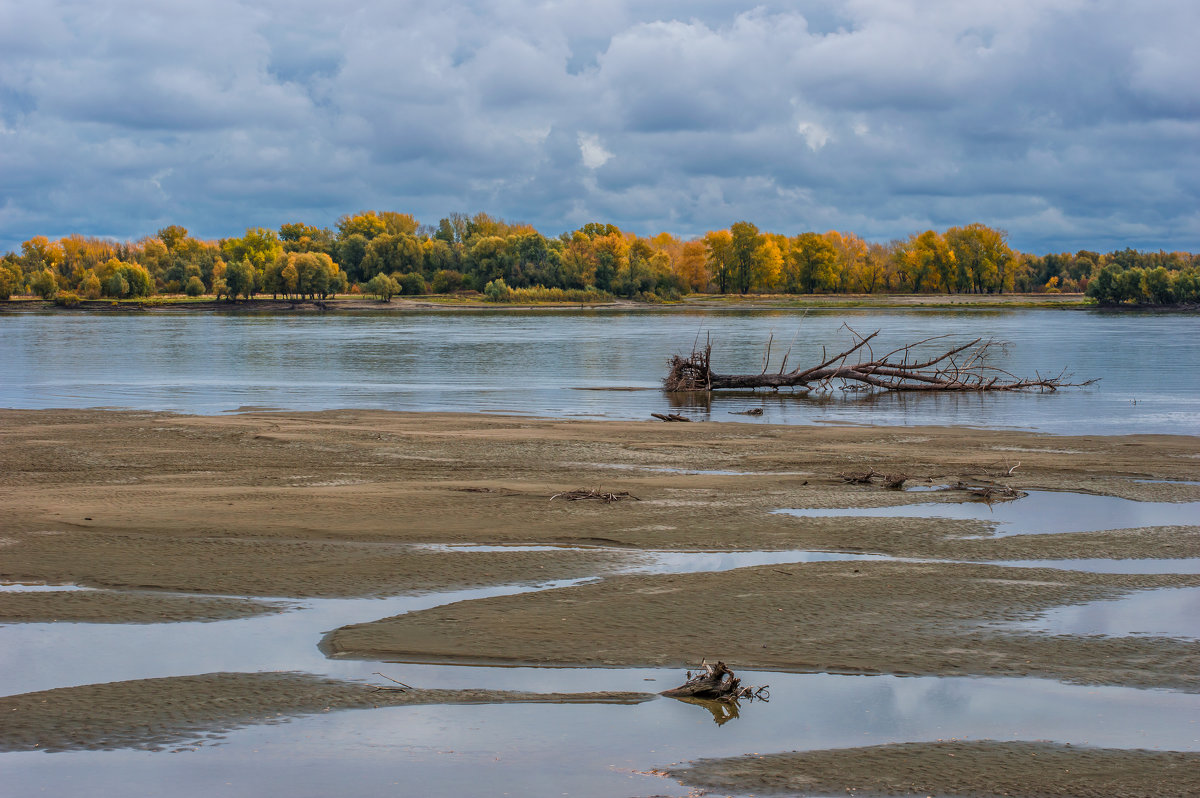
(985, 262)
(489, 259)
(447, 281)
(350, 253)
(1129, 285)
(813, 265)
(300, 237)
(389, 253)
(316, 275)
(383, 287)
(1103, 286)
(497, 291)
(43, 284)
(239, 279)
(140, 283)
(412, 284)
(259, 247)
(11, 279)
(194, 287)
(116, 286)
(1156, 286)
(440, 256)
(744, 242)
(718, 245)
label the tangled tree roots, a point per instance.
(716, 683)
(607, 498)
(960, 368)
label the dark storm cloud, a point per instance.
(1069, 123)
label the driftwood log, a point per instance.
(964, 367)
(715, 683)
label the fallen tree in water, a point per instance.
(965, 367)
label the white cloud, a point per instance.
(592, 151)
(814, 135)
(248, 112)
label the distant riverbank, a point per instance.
(349, 303)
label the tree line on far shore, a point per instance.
(384, 254)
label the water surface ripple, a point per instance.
(536, 362)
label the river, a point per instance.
(594, 364)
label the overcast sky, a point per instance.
(1069, 123)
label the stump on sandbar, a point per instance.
(715, 683)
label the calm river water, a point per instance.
(598, 364)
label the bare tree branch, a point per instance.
(898, 370)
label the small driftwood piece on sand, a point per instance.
(580, 495)
(400, 688)
(964, 367)
(670, 417)
(893, 481)
(716, 683)
(989, 493)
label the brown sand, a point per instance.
(285, 505)
(133, 607)
(187, 710)
(842, 617)
(980, 769)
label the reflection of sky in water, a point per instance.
(580, 750)
(1041, 512)
(534, 362)
(1170, 612)
(595, 750)
(41, 656)
(1150, 565)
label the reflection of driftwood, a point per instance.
(715, 683)
(670, 417)
(722, 711)
(960, 368)
(580, 495)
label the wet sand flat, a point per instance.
(980, 769)
(288, 505)
(838, 617)
(157, 713)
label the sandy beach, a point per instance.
(250, 510)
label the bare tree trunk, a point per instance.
(960, 368)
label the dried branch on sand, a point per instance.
(716, 683)
(964, 367)
(580, 495)
(893, 481)
(984, 492)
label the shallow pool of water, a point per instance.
(1150, 565)
(599, 751)
(529, 750)
(1041, 512)
(1170, 612)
